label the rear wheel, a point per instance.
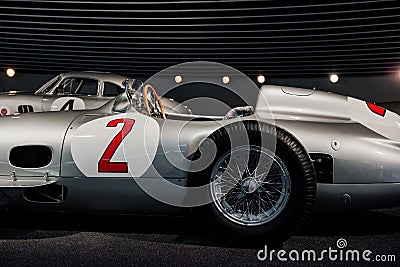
(258, 191)
(250, 193)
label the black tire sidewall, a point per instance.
(298, 206)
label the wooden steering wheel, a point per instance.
(152, 102)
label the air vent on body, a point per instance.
(32, 156)
(25, 109)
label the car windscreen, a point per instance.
(77, 86)
(111, 89)
(48, 86)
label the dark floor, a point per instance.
(72, 239)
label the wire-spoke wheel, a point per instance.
(261, 189)
(250, 185)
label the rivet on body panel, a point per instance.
(13, 176)
(346, 198)
(46, 177)
(335, 143)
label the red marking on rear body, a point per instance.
(377, 109)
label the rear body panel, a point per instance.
(367, 146)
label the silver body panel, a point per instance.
(364, 147)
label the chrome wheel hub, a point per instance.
(249, 185)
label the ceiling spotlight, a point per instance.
(261, 78)
(178, 78)
(334, 78)
(226, 79)
(10, 72)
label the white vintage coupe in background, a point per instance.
(75, 91)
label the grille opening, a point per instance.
(46, 194)
(323, 165)
(30, 156)
(25, 109)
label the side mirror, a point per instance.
(129, 98)
(126, 84)
(121, 103)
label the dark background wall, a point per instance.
(23, 82)
(294, 43)
(383, 88)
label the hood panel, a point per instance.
(34, 129)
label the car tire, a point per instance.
(294, 167)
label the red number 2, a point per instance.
(105, 164)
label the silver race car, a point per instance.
(250, 174)
(74, 91)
